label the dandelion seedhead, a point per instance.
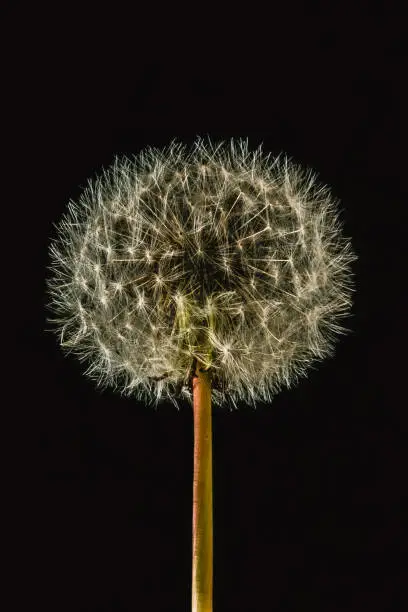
(213, 253)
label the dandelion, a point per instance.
(213, 274)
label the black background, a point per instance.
(307, 491)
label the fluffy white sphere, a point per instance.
(213, 253)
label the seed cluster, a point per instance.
(213, 253)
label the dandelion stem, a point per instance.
(202, 575)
